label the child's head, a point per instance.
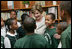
(61, 27)
(37, 11)
(13, 14)
(23, 17)
(29, 24)
(11, 24)
(49, 19)
(2, 23)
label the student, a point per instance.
(50, 30)
(11, 35)
(65, 7)
(20, 30)
(60, 28)
(13, 14)
(40, 20)
(3, 28)
(31, 40)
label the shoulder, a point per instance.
(66, 32)
(20, 40)
(41, 37)
(18, 43)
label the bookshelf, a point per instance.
(19, 6)
(28, 8)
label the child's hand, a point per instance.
(56, 36)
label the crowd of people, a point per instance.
(40, 32)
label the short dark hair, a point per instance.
(8, 23)
(29, 24)
(23, 16)
(62, 26)
(52, 15)
(37, 7)
(13, 11)
(66, 5)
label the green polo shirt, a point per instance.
(66, 38)
(31, 41)
(49, 35)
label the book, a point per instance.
(5, 15)
(54, 2)
(42, 3)
(10, 4)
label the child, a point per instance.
(40, 20)
(65, 8)
(50, 30)
(3, 28)
(13, 14)
(20, 30)
(60, 28)
(11, 35)
(31, 40)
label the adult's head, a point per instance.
(65, 8)
(37, 11)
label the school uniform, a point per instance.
(10, 40)
(49, 33)
(40, 29)
(31, 41)
(21, 32)
(18, 23)
(60, 45)
(2, 42)
(3, 31)
(66, 37)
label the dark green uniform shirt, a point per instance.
(21, 32)
(12, 39)
(52, 42)
(31, 41)
(66, 38)
(2, 42)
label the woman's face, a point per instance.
(14, 26)
(37, 14)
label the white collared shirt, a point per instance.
(19, 24)
(3, 31)
(40, 26)
(7, 43)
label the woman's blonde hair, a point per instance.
(37, 7)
